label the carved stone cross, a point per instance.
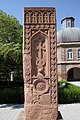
(39, 65)
(40, 61)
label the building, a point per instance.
(68, 51)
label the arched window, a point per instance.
(70, 54)
(79, 54)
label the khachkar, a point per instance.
(39, 63)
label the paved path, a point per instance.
(70, 111)
(10, 112)
(75, 83)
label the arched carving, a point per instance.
(51, 17)
(39, 53)
(33, 17)
(27, 17)
(40, 18)
(46, 17)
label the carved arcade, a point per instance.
(39, 64)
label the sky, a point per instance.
(64, 8)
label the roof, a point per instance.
(67, 19)
(68, 35)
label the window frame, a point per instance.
(70, 54)
(78, 53)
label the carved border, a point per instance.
(53, 69)
(27, 54)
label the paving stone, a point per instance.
(10, 112)
(70, 111)
(16, 112)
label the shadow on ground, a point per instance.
(13, 106)
(59, 116)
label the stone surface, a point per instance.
(39, 63)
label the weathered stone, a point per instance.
(39, 64)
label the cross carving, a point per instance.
(40, 61)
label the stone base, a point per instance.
(40, 112)
(21, 116)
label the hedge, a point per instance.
(11, 94)
(68, 94)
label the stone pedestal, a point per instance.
(39, 64)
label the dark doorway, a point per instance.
(70, 74)
(73, 74)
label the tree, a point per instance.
(10, 29)
(10, 47)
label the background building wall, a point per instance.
(64, 64)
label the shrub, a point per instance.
(69, 94)
(11, 94)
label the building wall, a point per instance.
(62, 75)
(63, 63)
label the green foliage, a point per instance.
(11, 94)
(10, 47)
(68, 94)
(10, 29)
(10, 55)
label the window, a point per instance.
(68, 24)
(79, 54)
(70, 54)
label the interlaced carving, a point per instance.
(53, 67)
(27, 53)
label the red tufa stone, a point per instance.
(39, 64)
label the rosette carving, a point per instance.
(41, 86)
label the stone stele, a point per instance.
(39, 63)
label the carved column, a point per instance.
(39, 64)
